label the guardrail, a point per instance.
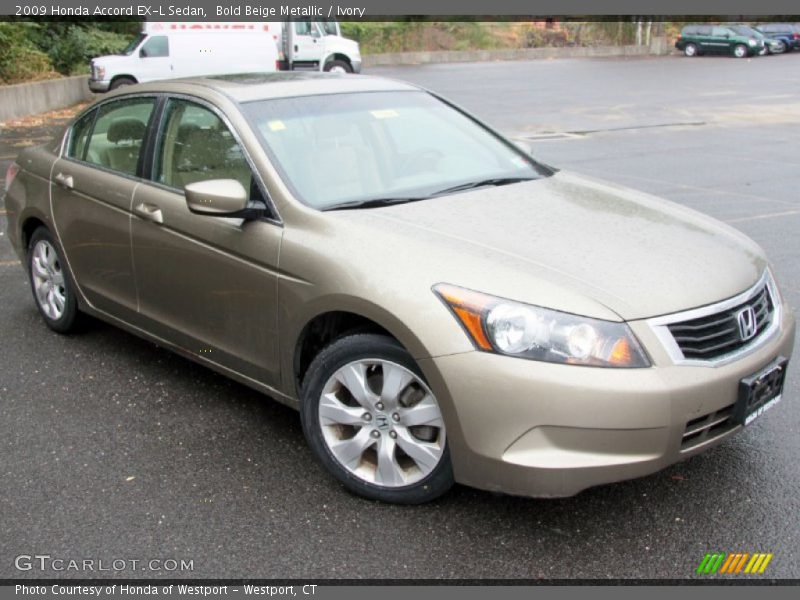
(25, 99)
(658, 46)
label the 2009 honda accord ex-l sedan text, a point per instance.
(438, 306)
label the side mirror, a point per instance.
(218, 198)
(143, 53)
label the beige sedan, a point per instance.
(438, 306)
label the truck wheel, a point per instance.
(690, 50)
(338, 66)
(120, 82)
(740, 51)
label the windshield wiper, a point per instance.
(374, 203)
(476, 184)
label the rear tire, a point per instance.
(372, 421)
(121, 82)
(338, 66)
(51, 284)
(690, 50)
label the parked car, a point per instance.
(157, 54)
(770, 46)
(784, 33)
(439, 306)
(696, 40)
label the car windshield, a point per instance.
(128, 50)
(354, 149)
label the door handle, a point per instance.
(64, 181)
(151, 212)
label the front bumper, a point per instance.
(97, 85)
(540, 429)
(356, 64)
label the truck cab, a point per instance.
(318, 46)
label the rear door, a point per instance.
(206, 284)
(93, 184)
(705, 39)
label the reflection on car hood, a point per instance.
(635, 254)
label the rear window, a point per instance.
(117, 137)
(79, 134)
(689, 30)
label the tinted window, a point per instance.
(117, 137)
(690, 31)
(704, 30)
(156, 46)
(195, 145)
(721, 32)
(79, 135)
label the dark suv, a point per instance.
(785, 33)
(716, 39)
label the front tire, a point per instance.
(373, 422)
(740, 51)
(338, 66)
(690, 50)
(50, 283)
(121, 82)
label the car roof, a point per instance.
(246, 87)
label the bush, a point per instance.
(71, 52)
(20, 60)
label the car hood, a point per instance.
(574, 244)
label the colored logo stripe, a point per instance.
(737, 562)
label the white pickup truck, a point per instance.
(169, 50)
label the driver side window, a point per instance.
(196, 145)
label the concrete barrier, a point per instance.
(41, 96)
(658, 46)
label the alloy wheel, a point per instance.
(48, 280)
(382, 423)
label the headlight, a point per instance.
(752, 42)
(99, 73)
(526, 331)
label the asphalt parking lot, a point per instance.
(113, 448)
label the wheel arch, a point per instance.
(337, 56)
(122, 76)
(320, 326)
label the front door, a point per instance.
(92, 191)
(155, 60)
(306, 45)
(206, 284)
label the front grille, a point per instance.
(707, 427)
(718, 334)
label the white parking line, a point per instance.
(693, 187)
(787, 213)
(8, 263)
